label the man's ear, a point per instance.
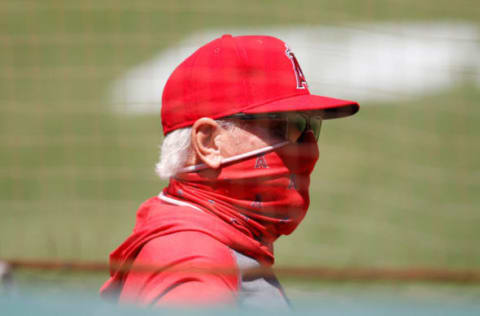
(205, 132)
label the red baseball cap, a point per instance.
(242, 74)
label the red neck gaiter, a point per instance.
(263, 196)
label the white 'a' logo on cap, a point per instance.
(299, 76)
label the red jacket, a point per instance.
(199, 257)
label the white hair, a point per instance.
(177, 148)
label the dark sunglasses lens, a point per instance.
(316, 126)
(296, 125)
(299, 122)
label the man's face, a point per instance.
(250, 135)
(257, 131)
(213, 142)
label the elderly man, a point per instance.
(241, 141)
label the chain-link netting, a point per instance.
(396, 186)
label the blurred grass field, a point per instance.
(397, 185)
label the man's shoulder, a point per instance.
(155, 203)
(191, 245)
(154, 207)
(178, 265)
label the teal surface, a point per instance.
(74, 305)
(396, 186)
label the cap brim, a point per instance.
(331, 108)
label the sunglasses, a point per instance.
(289, 125)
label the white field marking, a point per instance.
(364, 62)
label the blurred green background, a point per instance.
(396, 186)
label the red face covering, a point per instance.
(263, 196)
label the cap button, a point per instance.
(227, 36)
